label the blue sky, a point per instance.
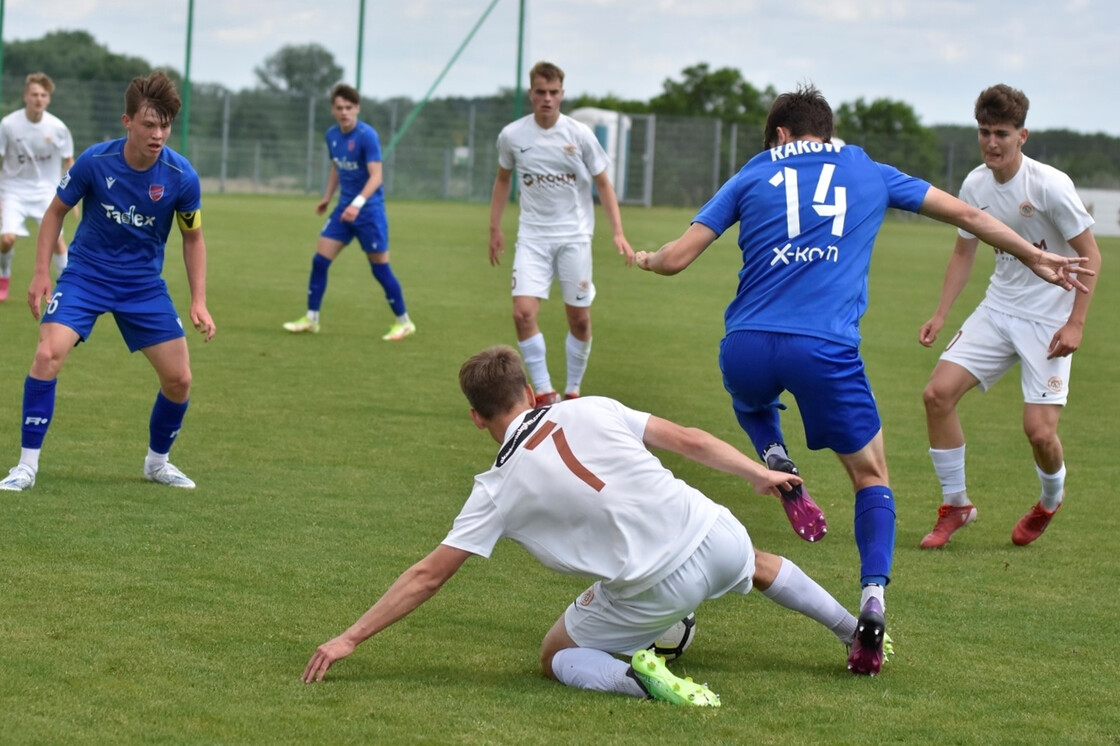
(934, 55)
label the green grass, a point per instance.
(327, 464)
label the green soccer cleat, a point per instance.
(396, 331)
(661, 684)
(304, 324)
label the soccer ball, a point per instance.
(672, 644)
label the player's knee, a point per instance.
(46, 364)
(580, 327)
(1041, 436)
(936, 399)
(7, 241)
(177, 388)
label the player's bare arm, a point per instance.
(677, 255)
(49, 230)
(1062, 271)
(415, 586)
(332, 184)
(350, 214)
(194, 258)
(956, 277)
(1067, 339)
(704, 448)
(503, 183)
(609, 200)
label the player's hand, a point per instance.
(1062, 270)
(1065, 341)
(624, 249)
(322, 206)
(773, 481)
(350, 214)
(642, 258)
(927, 335)
(39, 292)
(497, 247)
(324, 658)
(200, 317)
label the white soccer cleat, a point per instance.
(169, 475)
(399, 331)
(20, 477)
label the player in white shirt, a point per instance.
(557, 159)
(575, 484)
(1021, 319)
(36, 148)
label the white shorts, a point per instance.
(990, 342)
(15, 209)
(722, 564)
(537, 263)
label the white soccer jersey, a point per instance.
(574, 485)
(1041, 205)
(33, 153)
(554, 168)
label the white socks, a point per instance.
(577, 354)
(795, 590)
(1053, 485)
(587, 668)
(948, 464)
(533, 353)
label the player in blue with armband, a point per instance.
(809, 210)
(355, 152)
(132, 190)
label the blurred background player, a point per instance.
(36, 148)
(135, 188)
(809, 211)
(575, 484)
(355, 151)
(1021, 318)
(557, 159)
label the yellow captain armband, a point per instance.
(189, 221)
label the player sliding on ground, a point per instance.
(575, 484)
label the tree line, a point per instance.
(889, 130)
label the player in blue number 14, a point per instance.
(133, 189)
(809, 210)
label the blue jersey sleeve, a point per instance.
(190, 195)
(722, 211)
(371, 145)
(904, 192)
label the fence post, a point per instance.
(225, 144)
(651, 144)
(310, 139)
(715, 157)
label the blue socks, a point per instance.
(167, 419)
(38, 409)
(317, 285)
(384, 275)
(874, 529)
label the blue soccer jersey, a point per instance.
(351, 153)
(808, 215)
(126, 214)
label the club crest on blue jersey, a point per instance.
(155, 191)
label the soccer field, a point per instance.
(326, 464)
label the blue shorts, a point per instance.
(826, 378)
(372, 232)
(145, 315)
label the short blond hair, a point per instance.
(39, 79)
